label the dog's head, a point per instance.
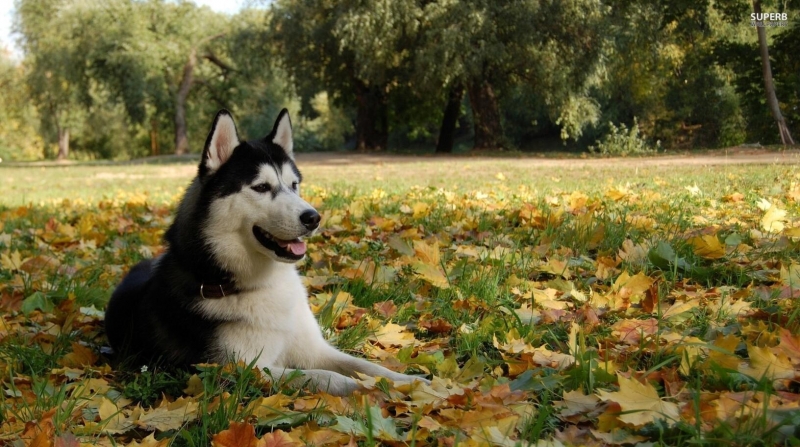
(253, 193)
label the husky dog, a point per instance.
(227, 287)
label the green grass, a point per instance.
(164, 182)
(520, 254)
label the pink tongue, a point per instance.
(297, 247)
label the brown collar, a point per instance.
(217, 291)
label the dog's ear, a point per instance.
(282, 133)
(221, 142)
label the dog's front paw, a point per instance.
(421, 379)
(338, 385)
(345, 387)
(405, 378)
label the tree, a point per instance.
(56, 77)
(452, 110)
(19, 139)
(306, 36)
(151, 55)
(769, 86)
(762, 69)
(488, 47)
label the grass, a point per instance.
(505, 276)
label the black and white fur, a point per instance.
(239, 222)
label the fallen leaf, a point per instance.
(707, 246)
(640, 403)
(773, 220)
(169, 415)
(765, 363)
(392, 334)
(278, 438)
(236, 435)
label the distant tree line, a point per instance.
(130, 78)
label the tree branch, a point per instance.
(211, 57)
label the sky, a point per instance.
(7, 9)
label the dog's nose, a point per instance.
(310, 219)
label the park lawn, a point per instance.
(578, 305)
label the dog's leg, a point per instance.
(335, 360)
(323, 380)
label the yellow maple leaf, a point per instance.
(618, 193)
(575, 403)
(707, 246)
(427, 253)
(265, 408)
(556, 267)
(392, 334)
(791, 276)
(113, 420)
(150, 441)
(617, 437)
(723, 352)
(11, 261)
(773, 220)
(633, 253)
(356, 209)
(194, 386)
(420, 209)
(574, 332)
(432, 274)
(436, 393)
(551, 359)
(640, 403)
(764, 362)
(632, 286)
(514, 343)
(169, 416)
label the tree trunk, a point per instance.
(372, 130)
(447, 133)
(181, 140)
(769, 86)
(486, 115)
(63, 143)
(154, 149)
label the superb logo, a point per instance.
(769, 19)
(771, 16)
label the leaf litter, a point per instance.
(618, 316)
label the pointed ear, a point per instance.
(221, 142)
(282, 133)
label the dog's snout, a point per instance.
(310, 219)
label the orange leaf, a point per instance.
(385, 308)
(237, 435)
(80, 356)
(735, 197)
(790, 345)
(631, 332)
(67, 440)
(278, 438)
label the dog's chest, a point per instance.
(262, 324)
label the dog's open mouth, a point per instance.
(293, 249)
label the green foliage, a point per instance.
(623, 141)
(550, 73)
(19, 124)
(148, 386)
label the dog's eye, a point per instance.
(261, 187)
(294, 185)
